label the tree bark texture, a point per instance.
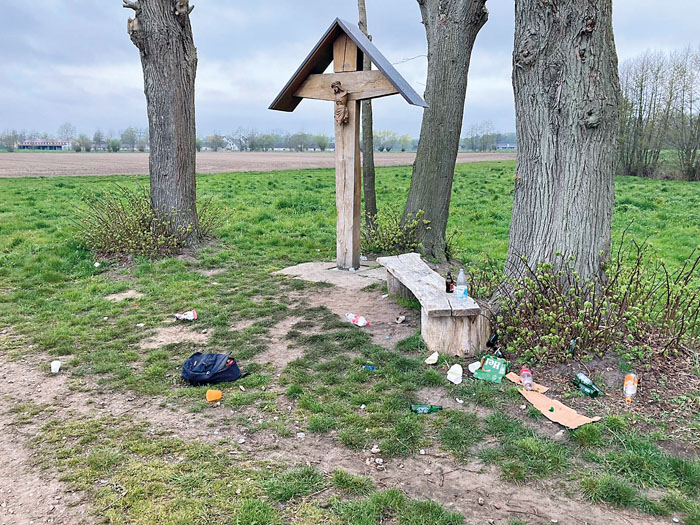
(567, 95)
(368, 171)
(451, 27)
(162, 33)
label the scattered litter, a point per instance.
(425, 409)
(586, 385)
(375, 450)
(630, 387)
(140, 325)
(454, 374)
(492, 369)
(675, 520)
(493, 340)
(523, 407)
(427, 472)
(474, 366)
(241, 441)
(422, 452)
(357, 320)
(388, 337)
(187, 316)
(556, 411)
(353, 270)
(379, 461)
(363, 406)
(97, 265)
(481, 501)
(400, 319)
(55, 367)
(460, 401)
(515, 378)
(363, 257)
(432, 358)
(301, 435)
(385, 296)
(368, 367)
(214, 395)
(526, 378)
(204, 331)
(242, 388)
(105, 318)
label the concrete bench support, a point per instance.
(448, 325)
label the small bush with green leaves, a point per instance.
(123, 222)
(391, 235)
(641, 308)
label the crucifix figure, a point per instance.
(342, 115)
(344, 44)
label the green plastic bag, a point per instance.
(493, 369)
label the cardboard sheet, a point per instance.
(562, 414)
(515, 378)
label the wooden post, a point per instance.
(347, 165)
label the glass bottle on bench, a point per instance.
(461, 289)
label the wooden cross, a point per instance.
(344, 45)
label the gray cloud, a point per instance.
(72, 60)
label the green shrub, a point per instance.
(122, 222)
(549, 313)
(390, 235)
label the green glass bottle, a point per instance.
(585, 385)
(425, 409)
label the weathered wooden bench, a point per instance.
(449, 325)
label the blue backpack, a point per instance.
(209, 369)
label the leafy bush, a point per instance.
(640, 309)
(390, 235)
(122, 222)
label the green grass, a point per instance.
(134, 474)
(52, 296)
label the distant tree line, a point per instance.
(484, 137)
(660, 115)
(131, 139)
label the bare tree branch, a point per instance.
(128, 4)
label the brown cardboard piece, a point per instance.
(515, 378)
(562, 414)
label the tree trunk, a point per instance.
(451, 27)
(368, 172)
(567, 95)
(162, 32)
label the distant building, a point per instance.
(44, 145)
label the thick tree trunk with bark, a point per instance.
(162, 32)
(451, 27)
(368, 172)
(567, 95)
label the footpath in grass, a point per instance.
(53, 297)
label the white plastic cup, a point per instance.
(55, 367)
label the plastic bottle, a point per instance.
(355, 319)
(630, 388)
(461, 289)
(526, 378)
(425, 409)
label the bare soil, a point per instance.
(30, 495)
(82, 164)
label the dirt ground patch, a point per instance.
(32, 495)
(81, 164)
(166, 335)
(129, 294)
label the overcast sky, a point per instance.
(71, 60)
